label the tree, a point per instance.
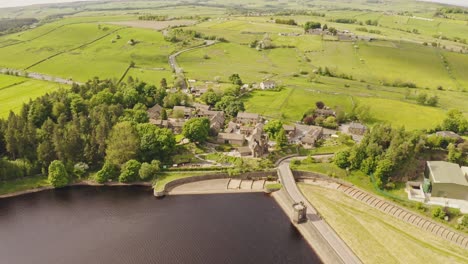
(149, 170)
(230, 105)
(163, 83)
(235, 79)
(281, 139)
(154, 142)
(210, 97)
(421, 99)
(163, 114)
(122, 144)
(330, 122)
(130, 171)
(454, 154)
(311, 25)
(320, 105)
(58, 176)
(197, 129)
(108, 171)
(325, 27)
(273, 128)
(433, 100)
(333, 31)
(342, 159)
(455, 121)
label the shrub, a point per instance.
(149, 170)
(108, 171)
(438, 212)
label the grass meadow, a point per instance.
(14, 91)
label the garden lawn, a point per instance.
(377, 237)
(23, 184)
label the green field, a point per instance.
(84, 44)
(376, 237)
(14, 91)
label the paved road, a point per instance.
(175, 66)
(335, 242)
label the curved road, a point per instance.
(341, 250)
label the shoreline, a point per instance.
(82, 183)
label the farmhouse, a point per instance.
(187, 111)
(357, 128)
(176, 125)
(244, 118)
(154, 112)
(324, 112)
(290, 130)
(311, 137)
(159, 123)
(200, 107)
(258, 141)
(231, 127)
(244, 151)
(450, 135)
(217, 122)
(447, 179)
(230, 138)
(266, 85)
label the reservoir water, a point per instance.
(128, 225)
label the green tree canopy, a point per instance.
(123, 143)
(130, 171)
(197, 129)
(108, 171)
(273, 128)
(149, 170)
(455, 121)
(58, 175)
(154, 142)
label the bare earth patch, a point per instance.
(156, 25)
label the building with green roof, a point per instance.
(447, 179)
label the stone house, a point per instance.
(159, 123)
(311, 137)
(357, 129)
(258, 141)
(154, 112)
(217, 122)
(187, 111)
(450, 135)
(244, 118)
(267, 85)
(176, 125)
(230, 138)
(324, 112)
(246, 130)
(290, 130)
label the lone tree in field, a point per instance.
(320, 105)
(235, 79)
(58, 175)
(197, 129)
(163, 83)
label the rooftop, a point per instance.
(231, 136)
(248, 115)
(446, 172)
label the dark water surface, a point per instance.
(128, 225)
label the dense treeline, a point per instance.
(8, 26)
(383, 152)
(291, 22)
(83, 127)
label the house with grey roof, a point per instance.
(231, 138)
(267, 85)
(244, 118)
(450, 135)
(154, 112)
(357, 128)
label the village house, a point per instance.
(258, 141)
(231, 127)
(289, 130)
(450, 135)
(154, 112)
(187, 111)
(159, 123)
(267, 85)
(324, 112)
(246, 130)
(357, 129)
(217, 122)
(200, 107)
(244, 151)
(230, 138)
(311, 137)
(176, 125)
(244, 118)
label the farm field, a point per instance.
(84, 44)
(364, 229)
(14, 91)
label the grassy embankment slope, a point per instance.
(368, 231)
